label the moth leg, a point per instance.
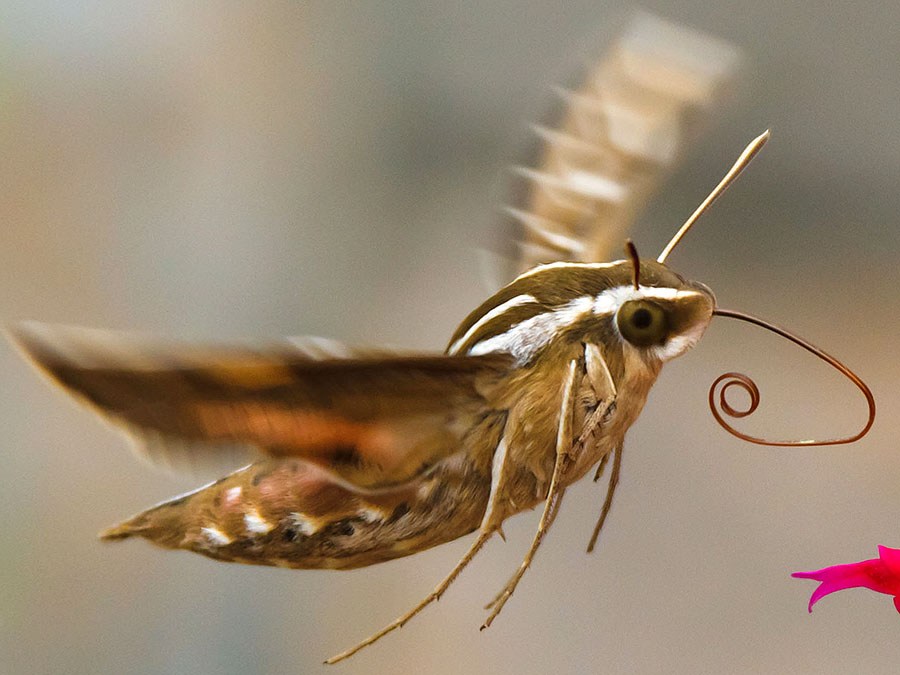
(490, 523)
(554, 493)
(512, 579)
(434, 595)
(610, 491)
(601, 467)
(550, 505)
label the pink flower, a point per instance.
(881, 574)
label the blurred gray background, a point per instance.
(233, 170)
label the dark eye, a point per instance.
(642, 323)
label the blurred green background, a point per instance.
(233, 170)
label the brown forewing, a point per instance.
(375, 421)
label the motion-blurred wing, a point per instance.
(371, 418)
(617, 137)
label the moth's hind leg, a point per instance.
(551, 506)
(564, 442)
(512, 580)
(434, 595)
(489, 525)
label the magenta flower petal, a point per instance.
(891, 558)
(881, 574)
(835, 578)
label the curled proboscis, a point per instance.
(741, 381)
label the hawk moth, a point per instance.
(369, 455)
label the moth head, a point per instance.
(660, 316)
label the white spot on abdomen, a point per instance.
(305, 524)
(215, 536)
(255, 523)
(371, 514)
(232, 494)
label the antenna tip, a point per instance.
(749, 153)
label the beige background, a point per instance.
(236, 170)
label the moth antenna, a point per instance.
(749, 386)
(741, 163)
(631, 251)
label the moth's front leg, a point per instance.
(564, 456)
(610, 491)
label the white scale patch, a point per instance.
(678, 344)
(215, 536)
(371, 514)
(305, 524)
(496, 311)
(526, 338)
(255, 523)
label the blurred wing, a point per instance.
(372, 418)
(618, 136)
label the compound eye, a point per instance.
(642, 323)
